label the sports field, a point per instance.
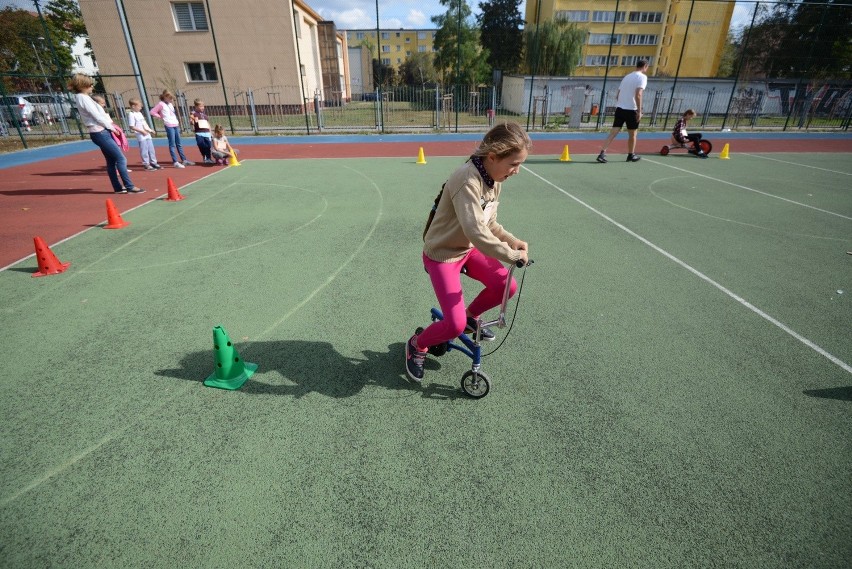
(676, 390)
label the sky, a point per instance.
(409, 14)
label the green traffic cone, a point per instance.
(231, 371)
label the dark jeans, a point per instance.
(204, 145)
(115, 160)
(173, 134)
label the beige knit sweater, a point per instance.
(467, 217)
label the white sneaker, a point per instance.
(179, 165)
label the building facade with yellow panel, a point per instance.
(620, 32)
(395, 45)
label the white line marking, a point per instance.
(790, 233)
(749, 189)
(796, 164)
(846, 367)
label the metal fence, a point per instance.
(763, 87)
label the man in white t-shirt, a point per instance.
(628, 110)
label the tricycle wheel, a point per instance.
(664, 150)
(475, 384)
(705, 146)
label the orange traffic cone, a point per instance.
(174, 194)
(114, 220)
(48, 264)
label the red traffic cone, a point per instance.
(174, 194)
(48, 264)
(114, 220)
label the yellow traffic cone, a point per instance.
(421, 158)
(232, 161)
(566, 157)
(724, 154)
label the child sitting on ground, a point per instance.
(683, 137)
(222, 149)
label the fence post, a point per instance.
(707, 106)
(252, 110)
(318, 111)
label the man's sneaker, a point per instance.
(121, 191)
(633, 158)
(178, 165)
(601, 158)
(188, 163)
(485, 334)
(156, 167)
(135, 191)
(414, 359)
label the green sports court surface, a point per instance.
(676, 390)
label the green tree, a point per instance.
(500, 23)
(385, 75)
(728, 62)
(418, 69)
(553, 47)
(459, 57)
(802, 38)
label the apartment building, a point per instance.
(620, 32)
(395, 45)
(217, 49)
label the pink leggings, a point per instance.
(446, 280)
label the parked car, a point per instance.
(15, 109)
(54, 106)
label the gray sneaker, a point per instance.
(178, 165)
(601, 157)
(633, 158)
(188, 163)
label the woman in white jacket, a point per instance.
(100, 127)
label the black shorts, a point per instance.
(622, 116)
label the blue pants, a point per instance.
(173, 134)
(204, 145)
(115, 160)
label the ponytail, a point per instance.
(432, 212)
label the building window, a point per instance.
(603, 16)
(407, 54)
(386, 61)
(297, 23)
(421, 35)
(642, 39)
(385, 35)
(386, 49)
(79, 60)
(190, 16)
(201, 72)
(398, 61)
(573, 15)
(646, 17)
(397, 34)
(407, 39)
(359, 35)
(594, 60)
(604, 39)
(632, 60)
(421, 49)
(399, 48)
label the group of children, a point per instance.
(213, 145)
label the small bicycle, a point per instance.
(475, 382)
(705, 145)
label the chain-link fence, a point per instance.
(787, 68)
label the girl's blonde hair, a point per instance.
(504, 139)
(690, 112)
(80, 82)
(134, 101)
(218, 129)
(166, 94)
